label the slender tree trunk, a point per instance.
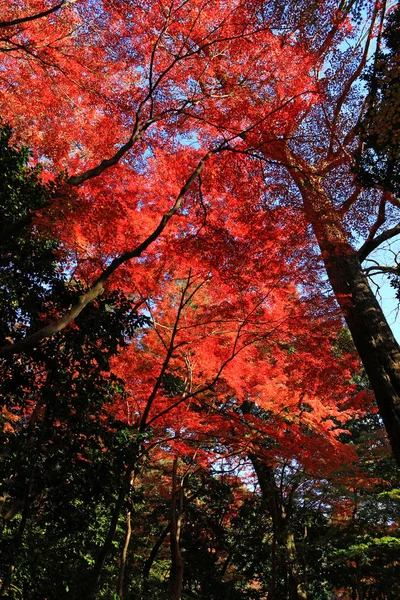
(149, 562)
(360, 594)
(373, 338)
(271, 498)
(284, 552)
(284, 555)
(90, 590)
(124, 551)
(273, 587)
(176, 572)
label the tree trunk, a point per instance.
(284, 548)
(297, 590)
(124, 551)
(283, 555)
(176, 573)
(149, 562)
(93, 582)
(373, 338)
(360, 595)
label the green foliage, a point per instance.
(64, 455)
(379, 161)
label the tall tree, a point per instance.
(318, 153)
(204, 150)
(166, 77)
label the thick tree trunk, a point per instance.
(373, 338)
(297, 589)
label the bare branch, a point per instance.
(371, 245)
(380, 219)
(381, 270)
(350, 80)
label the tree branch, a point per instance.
(75, 180)
(45, 13)
(380, 270)
(371, 245)
(380, 219)
(98, 287)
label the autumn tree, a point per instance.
(160, 82)
(199, 163)
(317, 151)
(199, 346)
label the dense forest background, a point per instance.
(200, 391)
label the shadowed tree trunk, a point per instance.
(149, 562)
(284, 547)
(92, 584)
(124, 551)
(284, 554)
(373, 338)
(176, 572)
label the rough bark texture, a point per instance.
(373, 338)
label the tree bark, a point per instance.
(284, 547)
(176, 572)
(373, 338)
(124, 551)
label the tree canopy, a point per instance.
(200, 390)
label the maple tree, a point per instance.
(198, 356)
(334, 215)
(168, 302)
(161, 81)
